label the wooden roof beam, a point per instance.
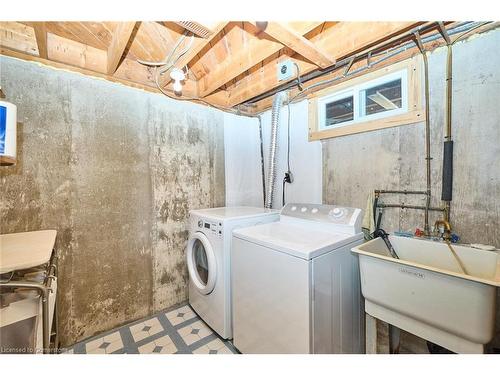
(119, 42)
(340, 41)
(297, 43)
(41, 38)
(257, 50)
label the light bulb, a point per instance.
(178, 87)
(177, 76)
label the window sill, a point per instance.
(388, 122)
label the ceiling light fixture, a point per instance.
(177, 76)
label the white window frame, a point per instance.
(359, 100)
(322, 103)
(412, 111)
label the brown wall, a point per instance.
(115, 170)
(394, 158)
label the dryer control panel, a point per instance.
(345, 219)
(210, 227)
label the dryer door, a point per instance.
(201, 263)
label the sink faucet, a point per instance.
(447, 228)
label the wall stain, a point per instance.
(116, 184)
(386, 159)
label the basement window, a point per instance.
(376, 100)
(339, 110)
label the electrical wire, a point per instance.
(283, 197)
(397, 50)
(169, 58)
(289, 171)
(461, 36)
(163, 67)
(288, 140)
(302, 90)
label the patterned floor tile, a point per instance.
(216, 346)
(105, 345)
(145, 329)
(162, 345)
(194, 332)
(180, 315)
(177, 330)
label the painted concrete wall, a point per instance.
(305, 156)
(115, 170)
(243, 158)
(243, 161)
(394, 158)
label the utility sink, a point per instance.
(426, 293)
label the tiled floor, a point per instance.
(175, 331)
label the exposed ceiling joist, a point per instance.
(116, 49)
(297, 43)
(41, 38)
(130, 80)
(198, 46)
(259, 49)
(196, 28)
(349, 37)
(236, 64)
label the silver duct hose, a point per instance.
(278, 101)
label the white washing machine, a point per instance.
(296, 285)
(208, 260)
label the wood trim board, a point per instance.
(415, 113)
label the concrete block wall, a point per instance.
(115, 170)
(394, 158)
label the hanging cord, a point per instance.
(288, 174)
(283, 197)
(288, 139)
(299, 81)
(171, 54)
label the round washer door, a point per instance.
(201, 263)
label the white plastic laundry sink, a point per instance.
(426, 293)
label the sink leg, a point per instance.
(394, 339)
(370, 334)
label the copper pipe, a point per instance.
(409, 206)
(427, 133)
(412, 192)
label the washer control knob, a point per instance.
(314, 210)
(336, 212)
(200, 223)
(294, 208)
(303, 209)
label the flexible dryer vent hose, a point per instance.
(278, 101)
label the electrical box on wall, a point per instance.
(286, 70)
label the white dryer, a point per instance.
(296, 285)
(208, 260)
